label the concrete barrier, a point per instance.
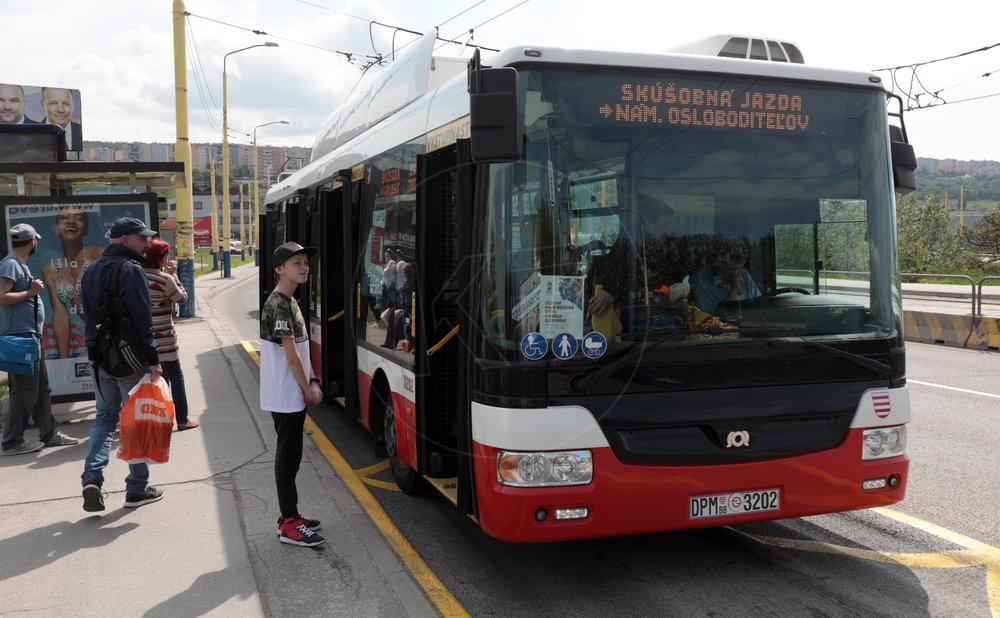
(959, 331)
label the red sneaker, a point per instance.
(294, 531)
(312, 524)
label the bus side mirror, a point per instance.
(904, 161)
(494, 114)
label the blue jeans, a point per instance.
(111, 394)
(175, 378)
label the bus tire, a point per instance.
(406, 477)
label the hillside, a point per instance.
(980, 181)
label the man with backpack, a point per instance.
(129, 240)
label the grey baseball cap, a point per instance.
(23, 231)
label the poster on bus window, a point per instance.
(73, 234)
(561, 305)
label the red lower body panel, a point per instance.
(630, 498)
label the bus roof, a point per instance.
(418, 93)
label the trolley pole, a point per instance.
(182, 154)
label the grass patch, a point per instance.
(203, 261)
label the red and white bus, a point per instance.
(610, 293)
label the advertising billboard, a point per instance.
(74, 234)
(23, 104)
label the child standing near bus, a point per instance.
(287, 385)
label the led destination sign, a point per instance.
(674, 103)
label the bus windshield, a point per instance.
(700, 208)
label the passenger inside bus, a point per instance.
(723, 278)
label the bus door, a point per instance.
(267, 230)
(336, 229)
(277, 222)
(440, 351)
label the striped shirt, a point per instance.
(164, 291)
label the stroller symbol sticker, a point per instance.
(594, 345)
(534, 346)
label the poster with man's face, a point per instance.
(22, 104)
(74, 235)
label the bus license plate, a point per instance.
(737, 503)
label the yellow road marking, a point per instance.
(975, 554)
(386, 485)
(252, 352)
(373, 469)
(446, 603)
(435, 589)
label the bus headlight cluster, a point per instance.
(546, 469)
(883, 442)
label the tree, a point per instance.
(984, 236)
(926, 245)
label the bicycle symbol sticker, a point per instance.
(594, 345)
(534, 346)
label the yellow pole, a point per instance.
(242, 211)
(215, 222)
(182, 154)
(256, 198)
(961, 205)
(226, 214)
(255, 226)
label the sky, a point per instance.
(120, 54)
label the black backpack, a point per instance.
(117, 347)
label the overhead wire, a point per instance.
(917, 92)
(350, 56)
(472, 30)
(200, 79)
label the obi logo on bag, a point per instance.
(152, 410)
(147, 420)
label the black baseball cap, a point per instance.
(127, 225)
(287, 250)
(22, 232)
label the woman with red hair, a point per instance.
(165, 291)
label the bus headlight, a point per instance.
(544, 469)
(883, 442)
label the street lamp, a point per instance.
(226, 222)
(256, 195)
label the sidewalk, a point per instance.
(210, 546)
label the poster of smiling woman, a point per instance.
(73, 232)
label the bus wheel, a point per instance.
(405, 476)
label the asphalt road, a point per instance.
(936, 554)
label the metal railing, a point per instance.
(979, 294)
(970, 280)
(975, 287)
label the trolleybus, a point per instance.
(595, 293)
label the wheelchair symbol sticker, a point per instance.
(594, 345)
(534, 346)
(564, 346)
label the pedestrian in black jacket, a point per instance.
(129, 240)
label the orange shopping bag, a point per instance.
(146, 423)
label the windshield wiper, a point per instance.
(582, 383)
(880, 368)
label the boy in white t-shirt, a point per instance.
(287, 385)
